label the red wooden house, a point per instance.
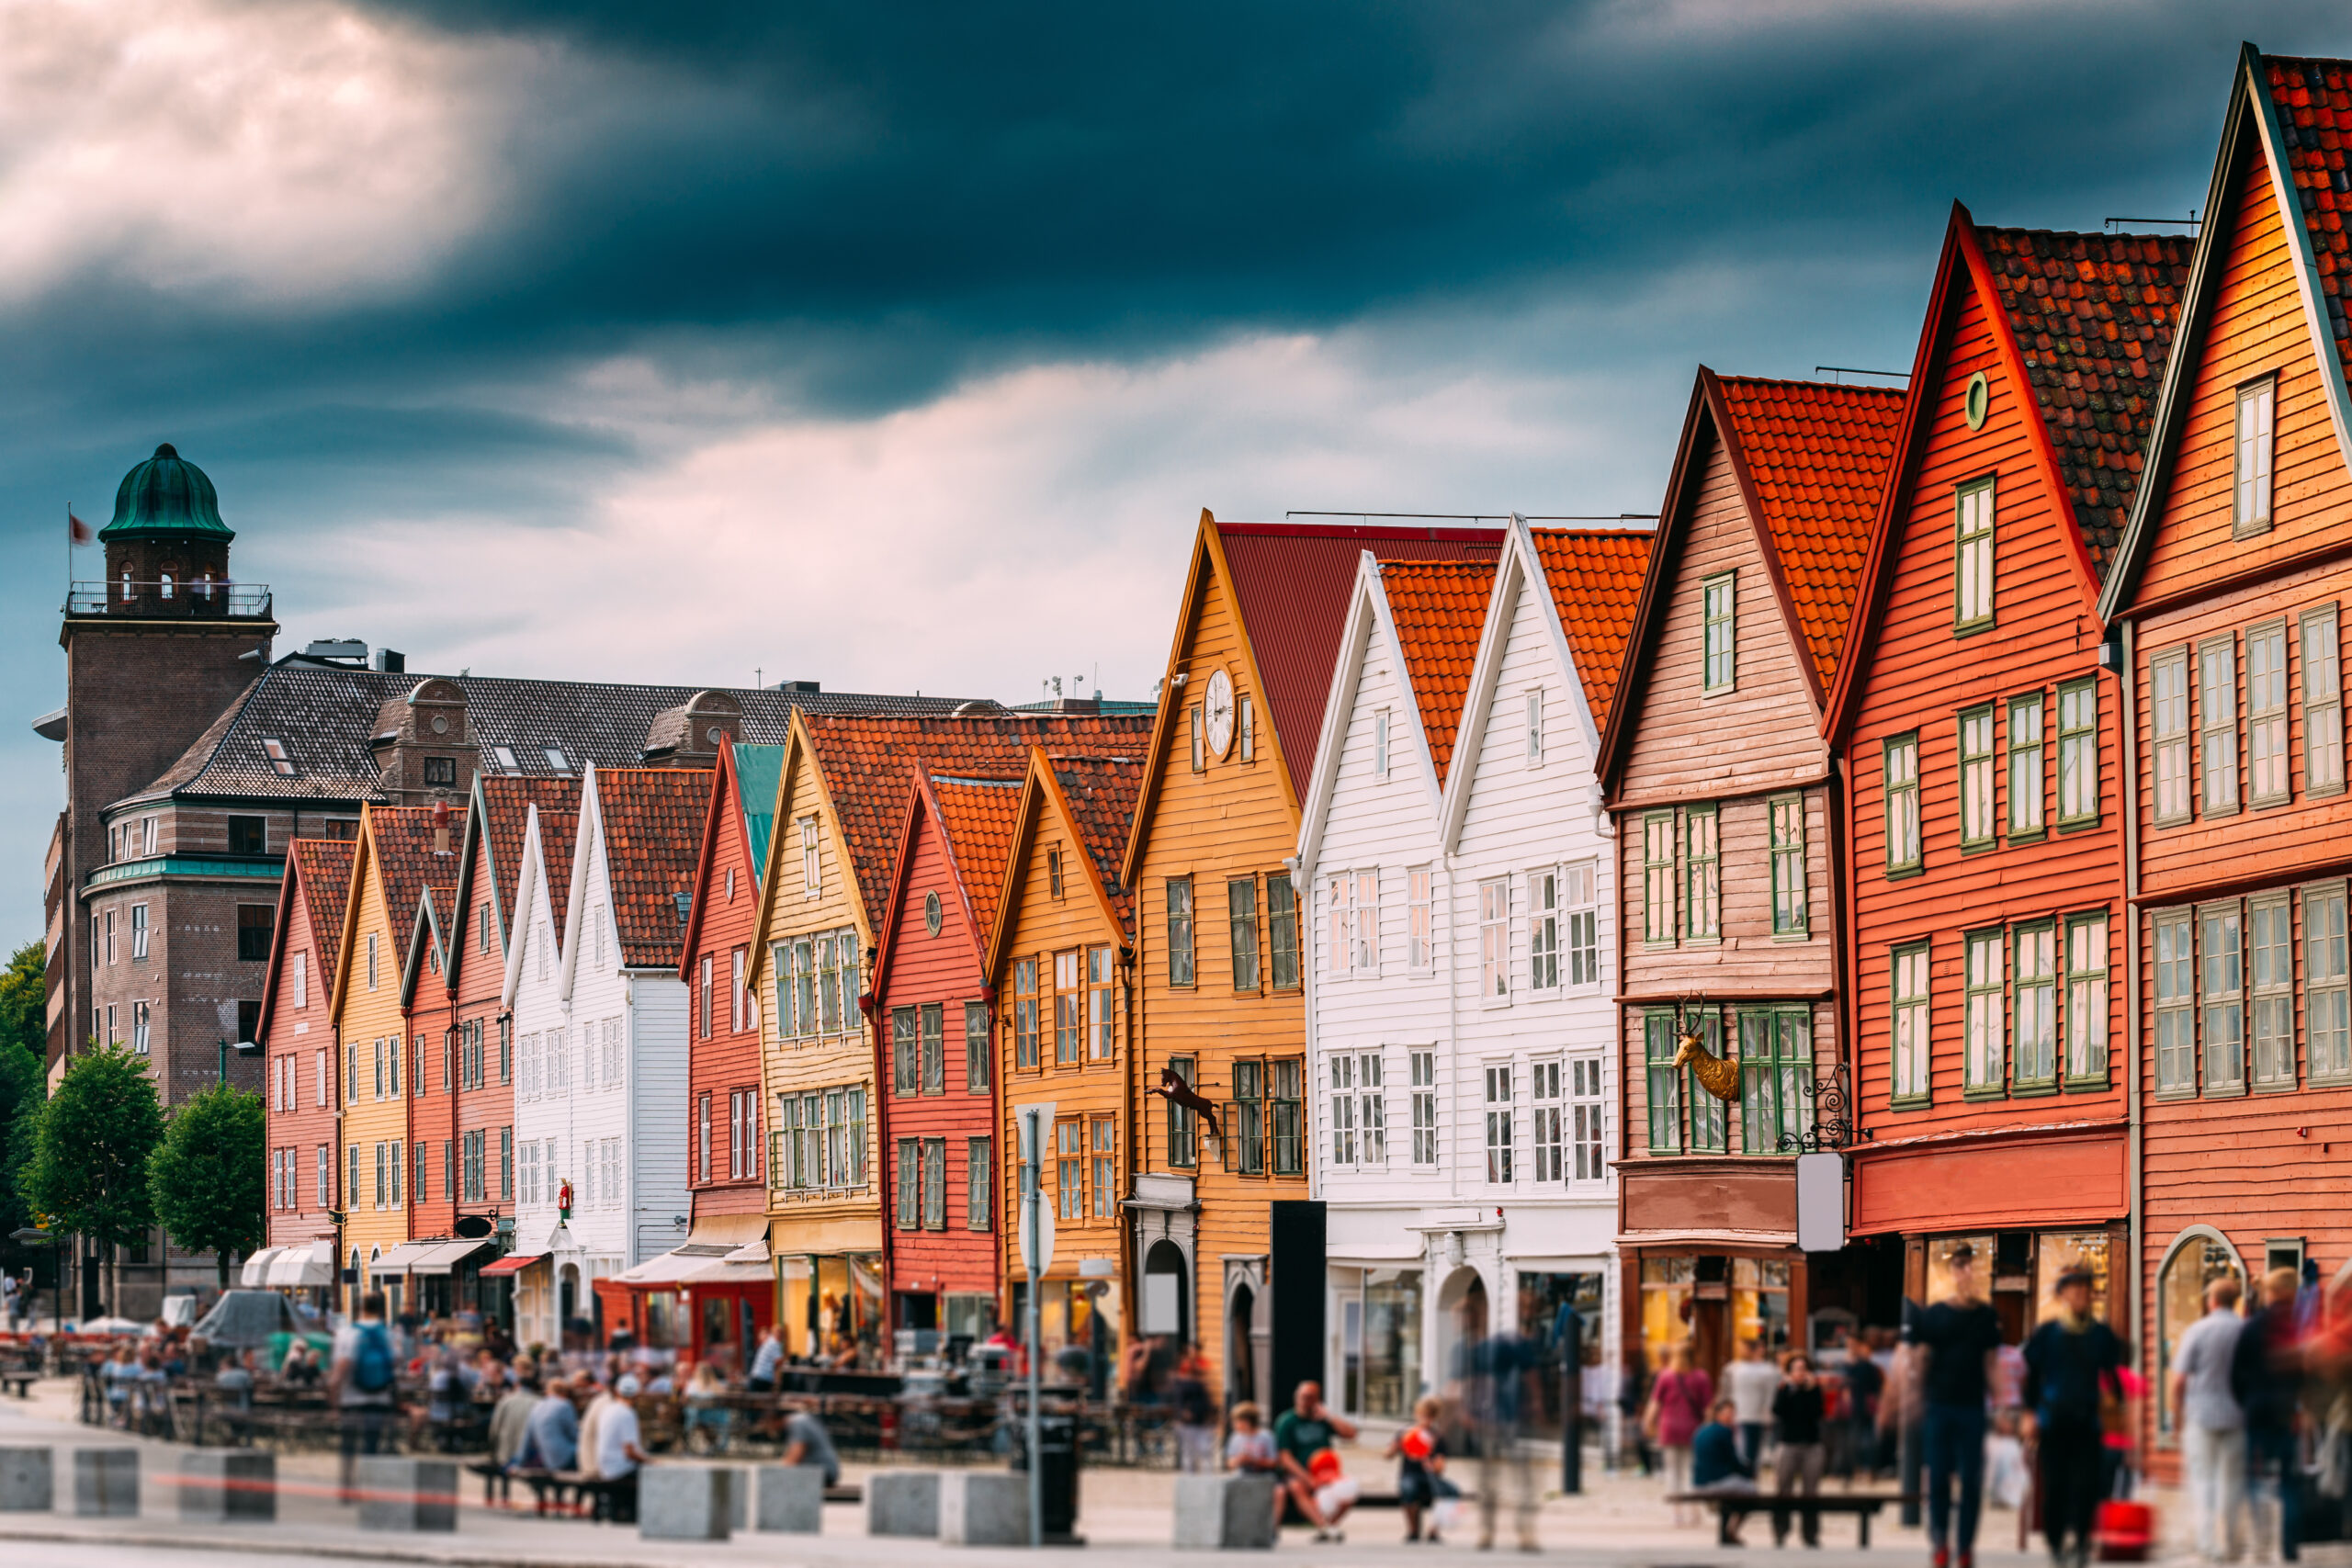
(2227, 601)
(298, 1033)
(938, 1108)
(1982, 732)
(725, 1154)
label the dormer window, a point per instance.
(441, 772)
(280, 762)
(506, 762)
(557, 761)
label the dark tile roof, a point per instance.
(1101, 793)
(868, 765)
(1439, 608)
(2313, 98)
(406, 862)
(324, 715)
(2092, 315)
(653, 820)
(1817, 454)
(1292, 582)
(506, 816)
(1595, 575)
(977, 818)
(323, 877)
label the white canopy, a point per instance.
(302, 1265)
(254, 1276)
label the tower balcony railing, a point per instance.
(203, 599)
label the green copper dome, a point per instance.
(167, 497)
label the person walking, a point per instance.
(1632, 1406)
(1798, 1410)
(1679, 1404)
(1750, 1382)
(2267, 1380)
(360, 1382)
(1865, 1380)
(1900, 1410)
(2071, 1367)
(1188, 1392)
(1960, 1333)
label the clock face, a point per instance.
(1218, 702)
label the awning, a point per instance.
(667, 1269)
(446, 1256)
(303, 1267)
(256, 1273)
(401, 1258)
(513, 1263)
(718, 1248)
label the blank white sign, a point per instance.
(1821, 1203)
(1160, 1314)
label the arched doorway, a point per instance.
(1166, 1304)
(1462, 1315)
(1240, 1349)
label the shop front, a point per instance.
(709, 1299)
(1078, 1310)
(828, 1283)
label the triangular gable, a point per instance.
(317, 879)
(396, 845)
(756, 771)
(2291, 115)
(727, 794)
(497, 813)
(974, 834)
(543, 832)
(648, 822)
(1095, 799)
(1370, 611)
(428, 938)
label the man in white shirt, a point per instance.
(1751, 1382)
(2212, 1426)
(618, 1450)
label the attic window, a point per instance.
(685, 902)
(730, 884)
(278, 759)
(441, 772)
(1054, 871)
(506, 762)
(557, 760)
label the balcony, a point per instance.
(168, 599)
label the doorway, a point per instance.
(1463, 1320)
(1166, 1307)
(1240, 1349)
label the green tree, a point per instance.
(88, 1171)
(24, 1003)
(22, 1090)
(206, 1177)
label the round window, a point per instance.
(1978, 400)
(713, 733)
(440, 724)
(931, 913)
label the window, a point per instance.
(1241, 923)
(325, 1176)
(351, 1191)
(1710, 1117)
(1498, 1125)
(1422, 1069)
(904, 1066)
(2272, 951)
(935, 1184)
(979, 1173)
(1380, 744)
(249, 835)
(109, 948)
(1657, 878)
(1245, 729)
(2086, 1000)
(1579, 901)
(1985, 1067)
(1586, 1143)
(1662, 1084)
(1053, 872)
(1420, 950)
(1972, 557)
(2266, 713)
(1359, 1111)
(2168, 724)
(440, 772)
(1181, 1138)
(139, 1024)
(506, 1165)
(1791, 898)
(702, 999)
(2217, 702)
(1200, 740)
(148, 827)
(2035, 1007)
(371, 961)
(2222, 995)
(1493, 940)
(1775, 1077)
(1343, 1110)
(1104, 1138)
(506, 762)
(2079, 752)
(1543, 930)
(557, 761)
(1908, 1006)
(1024, 1013)
(1976, 778)
(934, 1048)
(280, 762)
(2250, 494)
(812, 870)
(977, 1047)
(1101, 1022)
(1535, 728)
(2323, 705)
(1286, 1109)
(139, 932)
(2325, 1018)
(1180, 930)
(1068, 999)
(1547, 1120)
(1702, 887)
(1372, 1106)
(1717, 612)
(739, 998)
(1069, 1164)
(254, 922)
(1282, 929)
(2024, 767)
(1363, 910)
(1901, 764)
(910, 1182)
(1246, 1120)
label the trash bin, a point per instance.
(1057, 1451)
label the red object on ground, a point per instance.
(2125, 1531)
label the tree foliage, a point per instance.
(24, 1003)
(88, 1169)
(206, 1177)
(22, 1092)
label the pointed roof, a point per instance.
(977, 818)
(402, 837)
(757, 771)
(2312, 100)
(431, 936)
(558, 831)
(753, 800)
(1595, 575)
(1439, 608)
(653, 820)
(318, 879)
(1098, 797)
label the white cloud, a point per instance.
(283, 155)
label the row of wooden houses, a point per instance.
(1960, 764)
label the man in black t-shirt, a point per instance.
(1960, 1333)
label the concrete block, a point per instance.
(106, 1483)
(685, 1502)
(792, 1498)
(902, 1502)
(738, 1498)
(407, 1495)
(1225, 1513)
(27, 1480)
(228, 1485)
(983, 1507)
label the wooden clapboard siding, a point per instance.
(379, 915)
(722, 1059)
(297, 1028)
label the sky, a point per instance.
(900, 347)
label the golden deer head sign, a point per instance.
(1719, 1076)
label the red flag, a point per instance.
(77, 530)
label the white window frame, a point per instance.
(1420, 948)
(2323, 690)
(1421, 1070)
(2253, 454)
(1546, 1111)
(812, 865)
(1501, 1167)
(1535, 728)
(1380, 745)
(1544, 929)
(2266, 713)
(1494, 941)
(1588, 1120)
(2217, 724)
(1343, 1109)
(1580, 923)
(2327, 1011)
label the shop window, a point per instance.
(2198, 1259)
(2057, 1251)
(1380, 1340)
(1775, 1077)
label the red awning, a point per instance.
(513, 1263)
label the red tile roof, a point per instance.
(1291, 582)
(404, 858)
(2092, 315)
(1439, 608)
(2314, 99)
(1818, 456)
(441, 906)
(975, 820)
(1595, 575)
(323, 878)
(652, 819)
(506, 814)
(558, 831)
(868, 765)
(1101, 793)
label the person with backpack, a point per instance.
(360, 1385)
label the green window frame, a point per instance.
(1984, 1028)
(2086, 1019)
(1791, 890)
(1703, 874)
(1899, 761)
(905, 1065)
(1973, 563)
(1657, 878)
(1909, 1043)
(2078, 754)
(1241, 924)
(1710, 1117)
(2033, 1007)
(1775, 1077)
(1180, 932)
(2029, 741)
(1978, 803)
(1719, 615)
(1663, 1085)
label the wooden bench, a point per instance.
(1863, 1505)
(18, 1382)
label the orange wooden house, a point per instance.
(1983, 735)
(2228, 595)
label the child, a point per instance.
(1250, 1449)
(1420, 1453)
